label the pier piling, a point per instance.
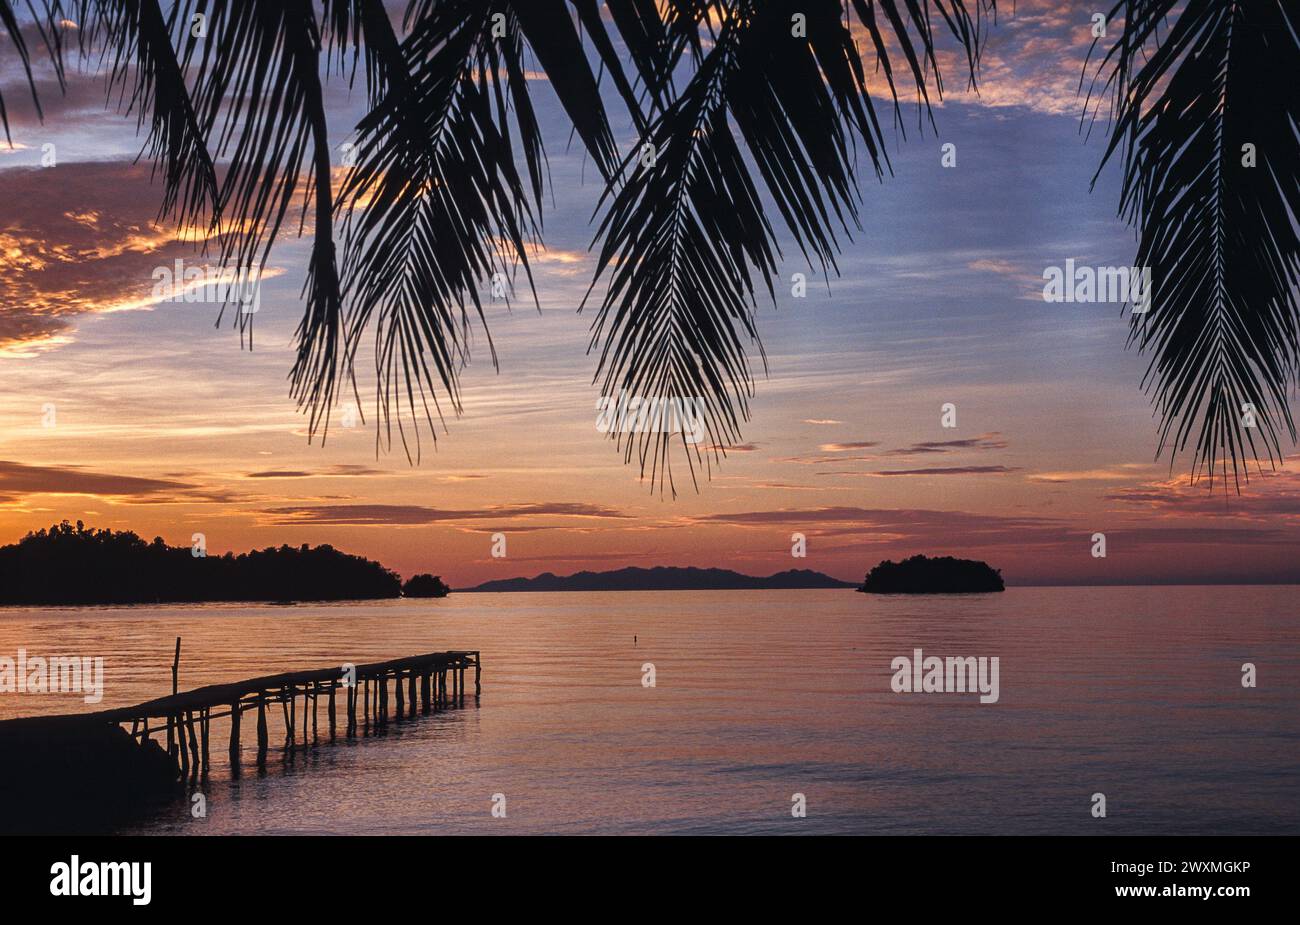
(234, 738)
(261, 730)
(204, 724)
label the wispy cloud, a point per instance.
(944, 470)
(992, 441)
(846, 447)
(413, 515)
(329, 472)
(1122, 472)
(18, 479)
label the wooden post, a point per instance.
(261, 728)
(347, 710)
(424, 692)
(352, 709)
(367, 706)
(184, 755)
(477, 669)
(381, 716)
(204, 723)
(329, 708)
(401, 702)
(288, 708)
(234, 738)
(410, 691)
(194, 744)
(176, 665)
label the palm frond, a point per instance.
(438, 203)
(49, 27)
(553, 39)
(435, 203)
(1187, 84)
(254, 83)
(685, 242)
(132, 42)
(246, 88)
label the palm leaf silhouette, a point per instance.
(1190, 89)
(132, 43)
(255, 82)
(46, 26)
(436, 203)
(685, 243)
(738, 108)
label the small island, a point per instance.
(940, 575)
(425, 585)
(78, 565)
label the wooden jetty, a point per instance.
(86, 772)
(423, 683)
(418, 683)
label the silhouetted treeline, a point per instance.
(78, 565)
(941, 575)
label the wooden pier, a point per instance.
(369, 697)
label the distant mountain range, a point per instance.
(664, 578)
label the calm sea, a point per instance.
(1131, 692)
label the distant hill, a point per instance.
(941, 575)
(665, 578)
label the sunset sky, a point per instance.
(164, 425)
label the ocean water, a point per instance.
(759, 695)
